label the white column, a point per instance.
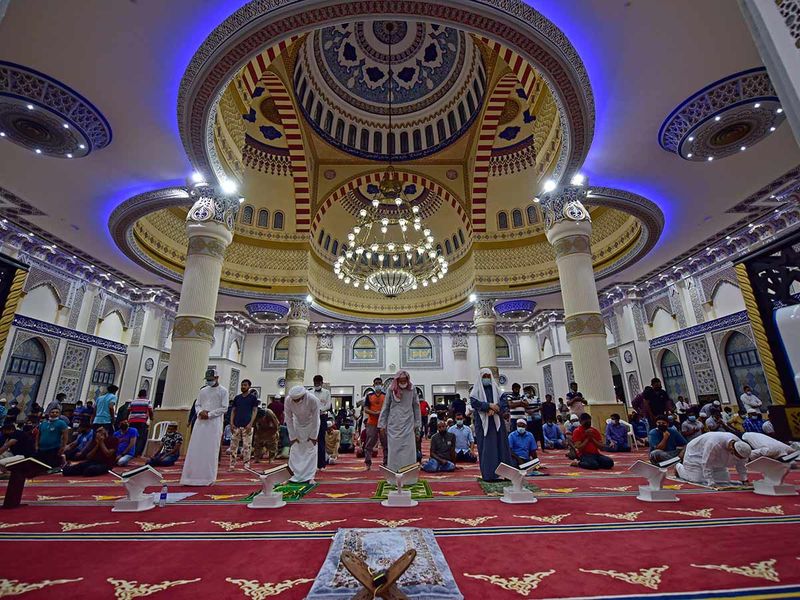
(298, 328)
(778, 44)
(209, 226)
(324, 353)
(460, 343)
(569, 228)
(485, 321)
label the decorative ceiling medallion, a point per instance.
(48, 117)
(261, 312)
(515, 310)
(724, 118)
(344, 75)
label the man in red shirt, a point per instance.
(587, 441)
(373, 404)
(424, 409)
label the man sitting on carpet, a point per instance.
(443, 450)
(465, 441)
(346, 437)
(522, 443)
(691, 427)
(665, 441)
(706, 459)
(617, 435)
(553, 436)
(16, 442)
(332, 439)
(127, 442)
(587, 441)
(77, 449)
(170, 449)
(102, 456)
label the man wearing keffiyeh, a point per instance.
(490, 430)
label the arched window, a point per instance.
(420, 348)
(672, 374)
(502, 220)
(533, 216)
(516, 217)
(277, 220)
(281, 350)
(335, 247)
(364, 348)
(455, 242)
(448, 247)
(263, 218)
(744, 366)
(247, 215)
(321, 236)
(327, 243)
(461, 236)
(24, 375)
(104, 372)
(501, 347)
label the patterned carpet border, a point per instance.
(757, 593)
(419, 491)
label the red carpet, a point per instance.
(584, 520)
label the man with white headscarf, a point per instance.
(707, 458)
(765, 445)
(301, 412)
(490, 430)
(202, 458)
(400, 419)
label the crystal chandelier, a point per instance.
(390, 250)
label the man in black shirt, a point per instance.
(657, 401)
(16, 442)
(443, 450)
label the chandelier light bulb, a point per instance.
(384, 229)
(429, 238)
(347, 280)
(406, 247)
(381, 257)
(374, 247)
(396, 257)
(369, 255)
(375, 203)
(420, 250)
(363, 212)
(390, 246)
(417, 226)
(432, 254)
(355, 284)
(351, 236)
(385, 221)
(428, 245)
(359, 251)
(341, 275)
(415, 286)
(426, 231)
(403, 228)
(415, 209)
(425, 283)
(398, 201)
(356, 229)
(434, 279)
(349, 254)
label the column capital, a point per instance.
(324, 341)
(299, 311)
(483, 311)
(212, 206)
(565, 206)
(460, 344)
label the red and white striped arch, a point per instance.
(483, 154)
(297, 155)
(405, 177)
(254, 71)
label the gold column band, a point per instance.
(15, 294)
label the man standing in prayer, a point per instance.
(325, 407)
(665, 441)
(707, 457)
(750, 400)
(465, 441)
(443, 451)
(104, 412)
(301, 412)
(243, 416)
(681, 407)
(400, 420)
(373, 404)
(202, 458)
(138, 416)
(575, 400)
(490, 429)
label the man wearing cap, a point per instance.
(301, 412)
(707, 457)
(764, 445)
(753, 422)
(202, 458)
(522, 443)
(705, 410)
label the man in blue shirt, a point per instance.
(753, 423)
(665, 442)
(465, 441)
(52, 439)
(127, 443)
(617, 435)
(104, 411)
(553, 436)
(522, 443)
(77, 449)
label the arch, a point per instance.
(327, 243)
(263, 218)
(662, 322)
(24, 372)
(448, 247)
(158, 397)
(247, 215)
(501, 347)
(420, 348)
(41, 302)
(516, 218)
(111, 327)
(616, 378)
(727, 298)
(502, 220)
(610, 340)
(532, 214)
(364, 348)
(672, 374)
(406, 177)
(277, 220)
(456, 243)
(235, 351)
(280, 351)
(335, 247)
(744, 366)
(104, 374)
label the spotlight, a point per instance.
(757, 105)
(30, 106)
(473, 297)
(82, 146)
(743, 148)
(578, 179)
(717, 118)
(772, 128)
(690, 155)
(710, 158)
(69, 155)
(691, 138)
(549, 185)
(309, 298)
(228, 186)
(38, 151)
(197, 177)
(779, 111)
(65, 125)
(2, 134)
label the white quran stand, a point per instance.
(135, 482)
(517, 493)
(654, 490)
(774, 472)
(408, 475)
(268, 498)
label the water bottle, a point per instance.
(162, 498)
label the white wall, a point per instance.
(40, 303)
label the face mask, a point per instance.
(378, 388)
(662, 427)
(521, 430)
(209, 382)
(459, 422)
(52, 418)
(486, 381)
(692, 418)
(317, 388)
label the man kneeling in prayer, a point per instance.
(706, 459)
(765, 445)
(443, 450)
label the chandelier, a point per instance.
(390, 250)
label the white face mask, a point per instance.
(521, 429)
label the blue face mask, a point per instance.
(692, 418)
(486, 382)
(521, 429)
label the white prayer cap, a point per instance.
(297, 392)
(573, 417)
(752, 411)
(521, 422)
(743, 449)
(716, 403)
(330, 423)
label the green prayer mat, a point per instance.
(291, 491)
(495, 488)
(419, 490)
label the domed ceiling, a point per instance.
(345, 75)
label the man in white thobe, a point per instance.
(764, 445)
(707, 457)
(301, 413)
(202, 458)
(750, 400)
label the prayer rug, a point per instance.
(419, 491)
(291, 490)
(495, 488)
(428, 577)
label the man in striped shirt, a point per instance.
(139, 415)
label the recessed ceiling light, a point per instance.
(717, 118)
(757, 105)
(772, 129)
(38, 151)
(690, 155)
(578, 179)
(743, 148)
(69, 155)
(65, 125)
(309, 298)
(228, 186)
(473, 297)
(536, 199)
(30, 106)
(2, 134)
(82, 146)
(779, 111)
(549, 185)
(691, 138)
(710, 158)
